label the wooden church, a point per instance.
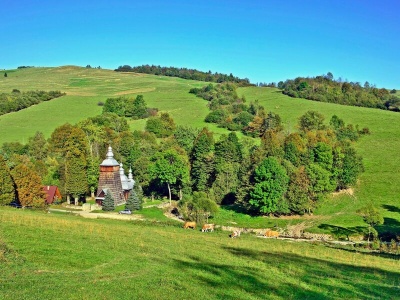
(113, 180)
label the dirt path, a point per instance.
(90, 215)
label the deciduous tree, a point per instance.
(7, 191)
(271, 182)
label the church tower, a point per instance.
(110, 180)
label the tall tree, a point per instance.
(297, 193)
(271, 182)
(7, 191)
(29, 188)
(202, 161)
(37, 146)
(169, 167)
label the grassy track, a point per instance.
(49, 256)
(86, 87)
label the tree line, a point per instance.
(325, 89)
(16, 100)
(185, 73)
(284, 173)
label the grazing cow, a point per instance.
(190, 225)
(271, 233)
(207, 227)
(235, 234)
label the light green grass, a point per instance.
(54, 256)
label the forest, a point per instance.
(16, 100)
(185, 73)
(325, 89)
(276, 172)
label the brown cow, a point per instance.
(207, 227)
(190, 225)
(271, 233)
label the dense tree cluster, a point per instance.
(134, 108)
(326, 89)
(286, 173)
(16, 100)
(227, 109)
(185, 73)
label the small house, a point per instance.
(52, 193)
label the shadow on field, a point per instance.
(344, 232)
(391, 208)
(261, 274)
(389, 230)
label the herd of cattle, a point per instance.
(235, 233)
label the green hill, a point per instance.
(86, 87)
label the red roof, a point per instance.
(52, 193)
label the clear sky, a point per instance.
(357, 40)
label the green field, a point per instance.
(59, 256)
(86, 87)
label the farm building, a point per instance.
(113, 180)
(52, 193)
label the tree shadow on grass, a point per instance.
(391, 208)
(389, 230)
(254, 274)
(344, 232)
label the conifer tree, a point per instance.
(108, 203)
(7, 191)
(133, 202)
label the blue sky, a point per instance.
(262, 40)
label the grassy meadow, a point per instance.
(86, 87)
(61, 256)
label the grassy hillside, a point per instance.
(57, 256)
(86, 87)
(380, 183)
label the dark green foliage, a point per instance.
(227, 109)
(216, 116)
(185, 136)
(351, 168)
(326, 89)
(198, 207)
(202, 161)
(127, 107)
(320, 181)
(311, 120)
(133, 202)
(37, 146)
(76, 176)
(297, 192)
(162, 126)
(5, 74)
(115, 105)
(7, 191)
(108, 203)
(271, 183)
(169, 167)
(16, 101)
(184, 73)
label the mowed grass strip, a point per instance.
(66, 257)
